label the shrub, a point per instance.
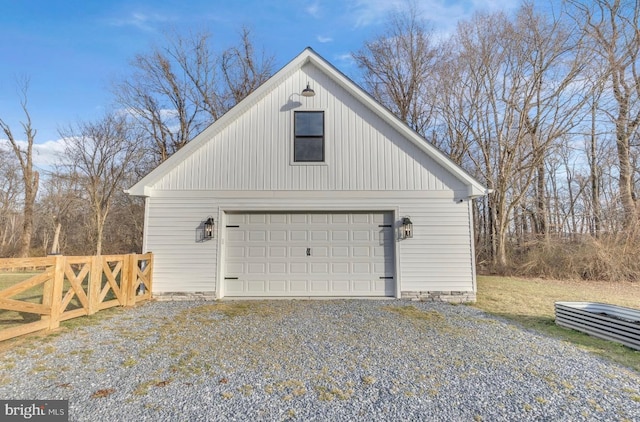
(611, 257)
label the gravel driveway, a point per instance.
(316, 360)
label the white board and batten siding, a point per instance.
(374, 166)
(254, 152)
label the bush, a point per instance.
(608, 258)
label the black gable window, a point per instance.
(308, 145)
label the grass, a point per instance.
(416, 314)
(10, 319)
(530, 303)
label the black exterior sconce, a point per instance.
(209, 225)
(407, 228)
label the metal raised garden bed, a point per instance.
(610, 322)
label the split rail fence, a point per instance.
(57, 288)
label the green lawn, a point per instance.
(529, 302)
(34, 295)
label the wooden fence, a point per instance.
(66, 287)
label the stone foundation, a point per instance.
(423, 296)
(440, 296)
(180, 296)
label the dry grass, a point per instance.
(416, 314)
(612, 257)
(530, 302)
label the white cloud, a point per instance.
(372, 12)
(443, 14)
(323, 39)
(313, 9)
(139, 20)
(45, 155)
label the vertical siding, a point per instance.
(254, 151)
(438, 257)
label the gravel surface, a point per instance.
(316, 360)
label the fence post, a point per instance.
(56, 292)
(132, 278)
(95, 283)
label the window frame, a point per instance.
(320, 138)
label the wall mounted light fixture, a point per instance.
(209, 225)
(407, 228)
(308, 92)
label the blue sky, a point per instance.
(73, 50)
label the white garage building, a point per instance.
(308, 192)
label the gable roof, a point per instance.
(309, 56)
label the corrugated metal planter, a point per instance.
(610, 322)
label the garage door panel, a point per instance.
(319, 286)
(298, 218)
(236, 251)
(319, 235)
(339, 218)
(362, 286)
(380, 251)
(257, 252)
(236, 268)
(234, 287)
(277, 286)
(340, 235)
(298, 235)
(236, 236)
(278, 236)
(309, 254)
(361, 218)
(320, 268)
(257, 287)
(298, 268)
(257, 219)
(361, 268)
(361, 235)
(319, 219)
(298, 286)
(340, 252)
(278, 218)
(277, 267)
(257, 236)
(277, 251)
(235, 219)
(340, 268)
(297, 251)
(360, 251)
(256, 268)
(320, 252)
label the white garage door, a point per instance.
(309, 254)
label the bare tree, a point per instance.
(243, 69)
(397, 66)
(513, 95)
(100, 155)
(10, 192)
(613, 27)
(30, 177)
(177, 90)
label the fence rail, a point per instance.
(66, 287)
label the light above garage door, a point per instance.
(309, 254)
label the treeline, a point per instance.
(79, 207)
(541, 106)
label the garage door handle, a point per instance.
(308, 251)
